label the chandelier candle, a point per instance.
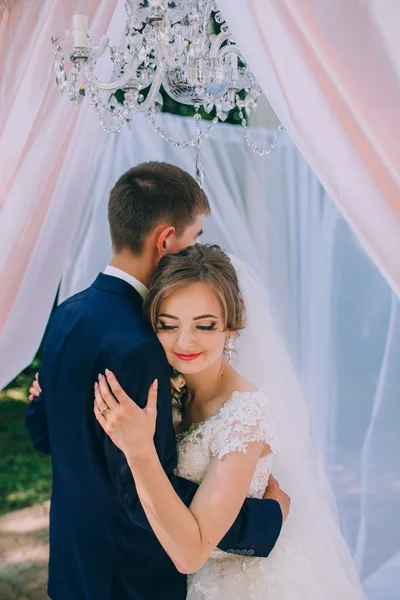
(79, 31)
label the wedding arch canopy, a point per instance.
(331, 73)
(338, 316)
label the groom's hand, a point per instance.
(274, 492)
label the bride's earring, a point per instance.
(229, 346)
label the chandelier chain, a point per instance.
(179, 143)
(251, 144)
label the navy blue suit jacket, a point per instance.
(101, 544)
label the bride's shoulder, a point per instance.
(248, 400)
(241, 384)
(244, 399)
(246, 417)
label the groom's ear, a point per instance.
(164, 240)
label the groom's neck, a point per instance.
(140, 267)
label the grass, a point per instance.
(25, 474)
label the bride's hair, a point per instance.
(200, 263)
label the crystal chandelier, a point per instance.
(183, 45)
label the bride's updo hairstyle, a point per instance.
(198, 264)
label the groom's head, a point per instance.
(156, 209)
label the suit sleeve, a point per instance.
(256, 529)
(36, 423)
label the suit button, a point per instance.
(237, 551)
(230, 551)
(250, 552)
(243, 552)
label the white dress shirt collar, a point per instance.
(135, 283)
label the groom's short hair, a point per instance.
(150, 194)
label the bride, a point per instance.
(237, 424)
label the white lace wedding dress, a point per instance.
(297, 568)
(287, 573)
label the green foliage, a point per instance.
(25, 474)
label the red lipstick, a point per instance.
(187, 356)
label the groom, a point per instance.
(101, 544)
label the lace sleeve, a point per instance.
(245, 418)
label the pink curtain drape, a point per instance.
(46, 152)
(331, 71)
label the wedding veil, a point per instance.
(262, 359)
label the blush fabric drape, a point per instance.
(46, 159)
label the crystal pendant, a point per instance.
(158, 103)
(222, 116)
(135, 41)
(128, 122)
(112, 103)
(112, 121)
(200, 173)
(149, 36)
(59, 75)
(208, 107)
(76, 93)
(117, 56)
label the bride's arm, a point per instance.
(188, 535)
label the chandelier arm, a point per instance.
(154, 88)
(217, 43)
(164, 52)
(230, 49)
(112, 86)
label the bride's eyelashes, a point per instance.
(211, 327)
(166, 327)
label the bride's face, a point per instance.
(190, 326)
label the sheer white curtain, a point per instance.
(331, 72)
(346, 338)
(338, 315)
(226, 176)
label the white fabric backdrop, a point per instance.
(339, 317)
(330, 70)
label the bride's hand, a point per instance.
(130, 427)
(35, 390)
